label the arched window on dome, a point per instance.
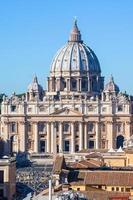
(94, 84)
(84, 85)
(73, 84)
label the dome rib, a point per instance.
(63, 58)
(70, 58)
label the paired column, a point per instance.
(60, 137)
(48, 138)
(89, 85)
(53, 138)
(110, 134)
(79, 84)
(128, 130)
(22, 136)
(72, 138)
(80, 136)
(68, 84)
(36, 138)
(6, 137)
(97, 135)
(85, 136)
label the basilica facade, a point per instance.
(77, 110)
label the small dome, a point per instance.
(111, 86)
(34, 86)
(75, 56)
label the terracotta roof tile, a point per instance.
(110, 178)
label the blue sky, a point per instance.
(31, 31)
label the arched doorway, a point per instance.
(119, 141)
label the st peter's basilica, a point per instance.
(77, 110)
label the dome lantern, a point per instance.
(75, 35)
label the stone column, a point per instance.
(48, 138)
(97, 135)
(6, 138)
(110, 134)
(89, 85)
(72, 138)
(36, 138)
(68, 84)
(128, 130)
(53, 138)
(79, 86)
(80, 136)
(60, 137)
(22, 136)
(85, 136)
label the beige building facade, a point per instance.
(77, 111)
(7, 178)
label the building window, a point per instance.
(104, 109)
(66, 146)
(113, 189)
(77, 109)
(13, 108)
(42, 146)
(41, 127)
(90, 108)
(42, 109)
(120, 108)
(91, 144)
(1, 176)
(29, 109)
(64, 84)
(117, 189)
(76, 147)
(127, 189)
(77, 127)
(13, 127)
(122, 189)
(90, 127)
(57, 148)
(65, 127)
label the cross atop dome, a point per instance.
(75, 35)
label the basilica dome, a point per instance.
(111, 86)
(75, 68)
(75, 56)
(34, 86)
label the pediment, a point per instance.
(66, 111)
